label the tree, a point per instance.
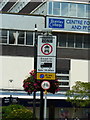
(16, 112)
(79, 95)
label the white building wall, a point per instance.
(16, 69)
(21, 22)
(79, 71)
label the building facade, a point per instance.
(17, 37)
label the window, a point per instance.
(29, 38)
(64, 83)
(3, 36)
(12, 37)
(50, 8)
(62, 39)
(56, 8)
(64, 9)
(78, 40)
(88, 10)
(80, 10)
(21, 37)
(17, 37)
(63, 77)
(70, 40)
(0, 36)
(69, 9)
(63, 72)
(86, 41)
(72, 9)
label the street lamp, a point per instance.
(10, 90)
(35, 63)
(10, 81)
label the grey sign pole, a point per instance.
(45, 105)
(35, 62)
(45, 85)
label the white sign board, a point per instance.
(46, 46)
(46, 64)
(45, 85)
(69, 24)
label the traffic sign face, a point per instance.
(46, 46)
(46, 49)
(46, 57)
(46, 76)
(45, 85)
(46, 64)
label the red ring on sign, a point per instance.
(48, 84)
(43, 51)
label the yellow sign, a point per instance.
(46, 76)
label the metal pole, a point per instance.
(41, 105)
(34, 115)
(45, 106)
(11, 81)
(35, 62)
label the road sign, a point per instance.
(46, 49)
(45, 85)
(46, 57)
(46, 76)
(46, 64)
(46, 46)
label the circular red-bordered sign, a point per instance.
(45, 85)
(46, 49)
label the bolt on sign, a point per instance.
(46, 57)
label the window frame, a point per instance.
(68, 9)
(5, 36)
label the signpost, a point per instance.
(46, 57)
(45, 85)
(46, 65)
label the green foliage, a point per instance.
(0, 112)
(79, 95)
(16, 112)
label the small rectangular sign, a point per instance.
(46, 76)
(46, 64)
(56, 23)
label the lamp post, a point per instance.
(35, 65)
(11, 88)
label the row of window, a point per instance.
(63, 78)
(27, 38)
(16, 37)
(73, 40)
(69, 9)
